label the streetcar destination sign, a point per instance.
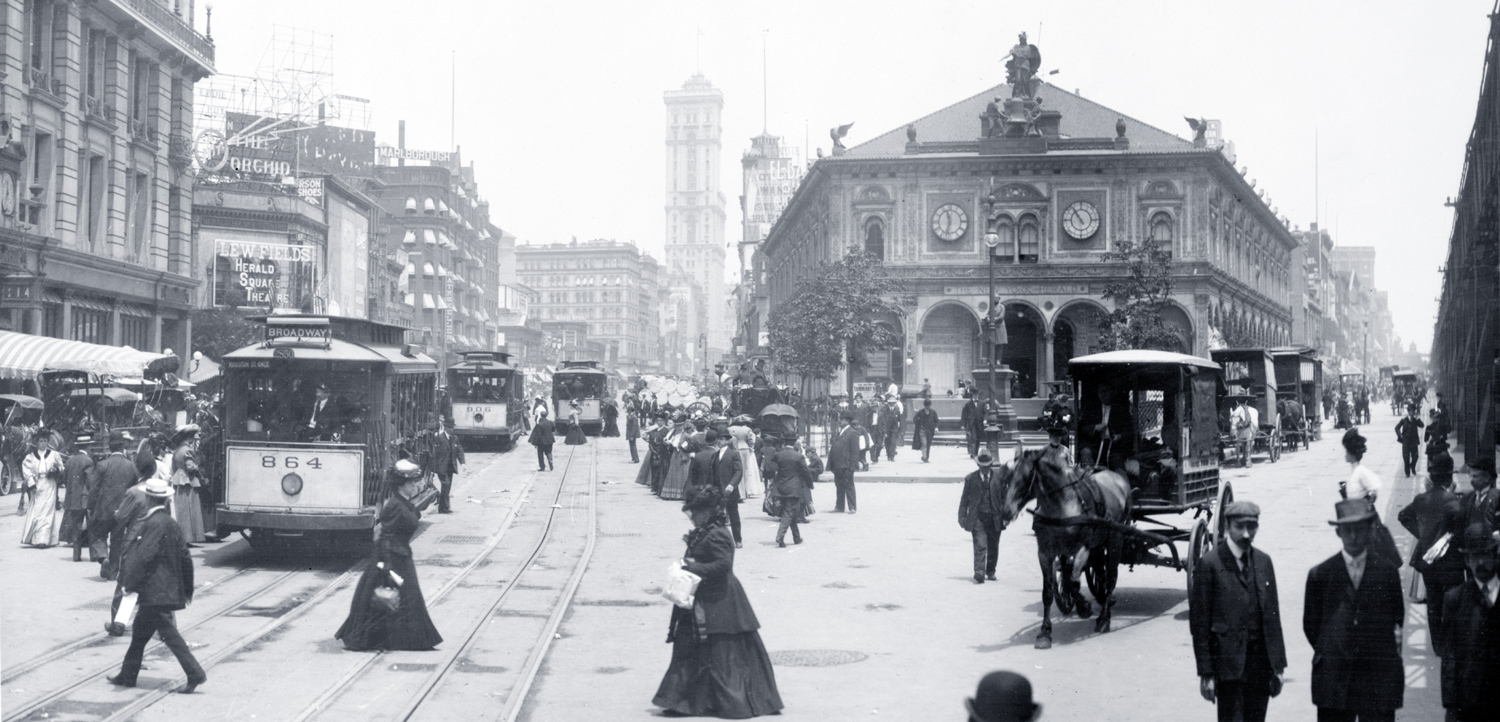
(316, 329)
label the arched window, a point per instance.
(1162, 231)
(1029, 237)
(875, 237)
(1005, 252)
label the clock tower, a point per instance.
(695, 213)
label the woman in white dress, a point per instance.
(41, 473)
(1365, 484)
(744, 442)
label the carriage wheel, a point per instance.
(6, 480)
(1200, 543)
(1275, 446)
(1219, 525)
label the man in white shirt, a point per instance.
(1246, 420)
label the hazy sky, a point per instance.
(559, 104)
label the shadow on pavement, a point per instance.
(1132, 607)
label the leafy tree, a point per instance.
(1141, 299)
(217, 331)
(834, 311)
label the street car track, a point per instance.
(152, 696)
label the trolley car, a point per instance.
(588, 385)
(488, 399)
(314, 416)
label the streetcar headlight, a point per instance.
(291, 484)
(478, 418)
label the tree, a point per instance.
(217, 331)
(1141, 299)
(832, 317)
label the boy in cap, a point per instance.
(160, 570)
(1352, 615)
(1471, 666)
(1235, 618)
(979, 514)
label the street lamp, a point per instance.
(991, 241)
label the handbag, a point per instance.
(771, 506)
(681, 585)
(387, 596)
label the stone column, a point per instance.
(155, 342)
(67, 316)
(116, 335)
(1045, 370)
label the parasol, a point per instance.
(779, 410)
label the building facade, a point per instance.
(696, 208)
(96, 121)
(608, 286)
(771, 172)
(1081, 179)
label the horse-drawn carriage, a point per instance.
(1250, 375)
(1151, 419)
(1299, 381)
(1404, 391)
(20, 415)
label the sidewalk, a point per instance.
(948, 464)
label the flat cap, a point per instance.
(1241, 508)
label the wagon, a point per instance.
(1299, 376)
(18, 415)
(1253, 371)
(1152, 415)
(1404, 391)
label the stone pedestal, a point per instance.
(1001, 394)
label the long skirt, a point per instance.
(643, 475)
(725, 675)
(188, 512)
(408, 628)
(674, 487)
(750, 479)
(611, 428)
(41, 522)
(575, 435)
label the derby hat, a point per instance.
(157, 488)
(1003, 697)
(1353, 511)
(1478, 539)
(1236, 509)
(1484, 464)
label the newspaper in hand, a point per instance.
(1438, 548)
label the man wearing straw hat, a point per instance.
(1352, 615)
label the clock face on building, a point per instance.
(1081, 220)
(950, 222)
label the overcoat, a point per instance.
(1222, 613)
(632, 425)
(791, 473)
(1433, 513)
(542, 434)
(926, 421)
(447, 454)
(844, 455)
(158, 565)
(710, 467)
(726, 609)
(78, 470)
(1407, 431)
(116, 475)
(975, 488)
(1471, 666)
(1356, 653)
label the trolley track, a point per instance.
(38, 708)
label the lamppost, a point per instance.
(998, 416)
(991, 242)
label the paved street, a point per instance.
(874, 616)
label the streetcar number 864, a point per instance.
(268, 461)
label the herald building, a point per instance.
(1059, 181)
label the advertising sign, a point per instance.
(769, 187)
(310, 190)
(250, 274)
(304, 479)
(386, 152)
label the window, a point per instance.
(93, 82)
(1029, 239)
(135, 331)
(1005, 251)
(42, 174)
(90, 326)
(1161, 230)
(138, 86)
(138, 222)
(875, 237)
(91, 210)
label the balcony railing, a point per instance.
(173, 26)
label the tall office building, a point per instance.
(696, 215)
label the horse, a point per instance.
(1071, 533)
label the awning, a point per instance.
(23, 356)
(92, 304)
(411, 237)
(441, 304)
(131, 309)
(429, 237)
(411, 299)
(427, 301)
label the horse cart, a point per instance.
(1151, 418)
(1299, 380)
(1404, 391)
(19, 415)
(1253, 372)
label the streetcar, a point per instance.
(586, 384)
(314, 416)
(488, 398)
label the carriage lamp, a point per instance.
(291, 484)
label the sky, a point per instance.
(1351, 113)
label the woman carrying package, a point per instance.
(399, 620)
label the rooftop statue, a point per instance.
(1021, 67)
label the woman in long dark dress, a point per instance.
(611, 414)
(409, 627)
(575, 428)
(719, 666)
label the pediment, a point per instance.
(1018, 192)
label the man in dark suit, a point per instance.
(446, 455)
(718, 466)
(1482, 505)
(116, 475)
(1430, 516)
(1352, 615)
(543, 437)
(1471, 633)
(322, 418)
(979, 514)
(925, 427)
(1409, 434)
(160, 571)
(971, 419)
(632, 431)
(842, 460)
(79, 480)
(1235, 618)
(661, 451)
(892, 426)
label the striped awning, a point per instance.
(23, 356)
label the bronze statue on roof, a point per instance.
(1021, 66)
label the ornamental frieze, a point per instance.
(1010, 290)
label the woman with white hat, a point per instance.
(41, 471)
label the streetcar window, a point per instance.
(298, 406)
(476, 388)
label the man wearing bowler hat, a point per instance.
(979, 514)
(1352, 615)
(1003, 697)
(1235, 618)
(1482, 505)
(1471, 633)
(842, 459)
